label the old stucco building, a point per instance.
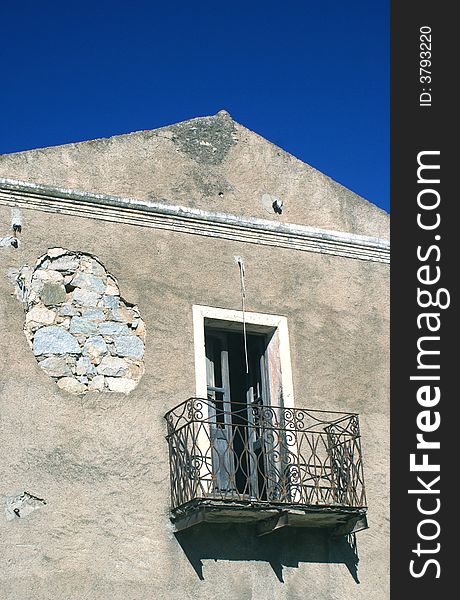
(193, 261)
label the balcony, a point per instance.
(269, 466)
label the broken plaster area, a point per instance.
(206, 140)
(21, 505)
(81, 331)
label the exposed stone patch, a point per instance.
(82, 325)
(52, 294)
(39, 316)
(111, 328)
(95, 347)
(94, 314)
(84, 366)
(54, 340)
(89, 282)
(72, 385)
(82, 332)
(130, 346)
(55, 366)
(113, 366)
(120, 384)
(85, 298)
(65, 263)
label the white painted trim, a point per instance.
(270, 322)
(200, 313)
(191, 220)
(200, 353)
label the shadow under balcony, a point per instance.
(270, 466)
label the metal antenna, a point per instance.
(240, 262)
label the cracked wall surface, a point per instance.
(81, 331)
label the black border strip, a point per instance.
(424, 124)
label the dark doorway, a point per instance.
(237, 385)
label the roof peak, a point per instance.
(224, 113)
(209, 162)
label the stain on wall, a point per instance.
(84, 335)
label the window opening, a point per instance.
(237, 430)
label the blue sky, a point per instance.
(312, 77)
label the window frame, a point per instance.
(281, 391)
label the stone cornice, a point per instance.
(191, 220)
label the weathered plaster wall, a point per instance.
(100, 461)
(212, 163)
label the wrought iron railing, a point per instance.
(264, 454)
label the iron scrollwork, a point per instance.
(269, 454)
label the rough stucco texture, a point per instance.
(100, 461)
(212, 163)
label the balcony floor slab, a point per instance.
(269, 517)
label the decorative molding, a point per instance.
(192, 220)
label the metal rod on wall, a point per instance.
(239, 261)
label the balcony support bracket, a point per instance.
(191, 519)
(274, 523)
(353, 525)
